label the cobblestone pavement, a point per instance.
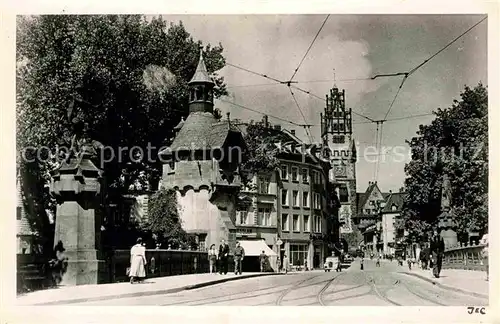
(375, 286)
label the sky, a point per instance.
(348, 47)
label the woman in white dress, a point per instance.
(137, 262)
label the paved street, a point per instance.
(374, 286)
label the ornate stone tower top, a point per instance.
(201, 97)
(445, 194)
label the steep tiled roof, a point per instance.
(366, 195)
(395, 199)
(23, 227)
(201, 130)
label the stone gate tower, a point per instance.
(202, 165)
(336, 133)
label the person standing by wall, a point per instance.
(223, 255)
(262, 261)
(286, 264)
(212, 259)
(437, 251)
(137, 262)
(484, 254)
(239, 255)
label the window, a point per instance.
(295, 174)
(284, 197)
(295, 223)
(267, 217)
(284, 223)
(284, 172)
(343, 194)
(317, 177)
(19, 213)
(306, 223)
(298, 253)
(317, 201)
(305, 199)
(338, 139)
(368, 211)
(317, 224)
(305, 176)
(295, 198)
(394, 208)
(372, 202)
(263, 185)
(264, 216)
(243, 216)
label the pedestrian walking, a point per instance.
(239, 255)
(378, 262)
(212, 258)
(278, 264)
(285, 264)
(361, 263)
(409, 263)
(59, 263)
(223, 255)
(437, 250)
(137, 262)
(262, 261)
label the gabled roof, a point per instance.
(200, 131)
(201, 73)
(397, 199)
(366, 195)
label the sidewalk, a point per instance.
(464, 281)
(153, 286)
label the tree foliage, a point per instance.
(129, 77)
(456, 144)
(164, 221)
(262, 153)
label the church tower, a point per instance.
(336, 134)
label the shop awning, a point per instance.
(255, 248)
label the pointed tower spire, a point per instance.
(201, 98)
(201, 74)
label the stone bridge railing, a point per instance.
(467, 257)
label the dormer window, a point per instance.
(394, 207)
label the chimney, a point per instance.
(390, 191)
(277, 127)
(292, 131)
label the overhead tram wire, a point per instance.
(407, 74)
(306, 127)
(310, 46)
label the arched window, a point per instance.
(199, 93)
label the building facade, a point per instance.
(368, 218)
(391, 237)
(289, 208)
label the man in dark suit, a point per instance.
(223, 255)
(437, 251)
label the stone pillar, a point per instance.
(446, 226)
(76, 187)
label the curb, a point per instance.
(440, 285)
(151, 293)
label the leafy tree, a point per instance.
(127, 79)
(262, 153)
(164, 221)
(456, 144)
